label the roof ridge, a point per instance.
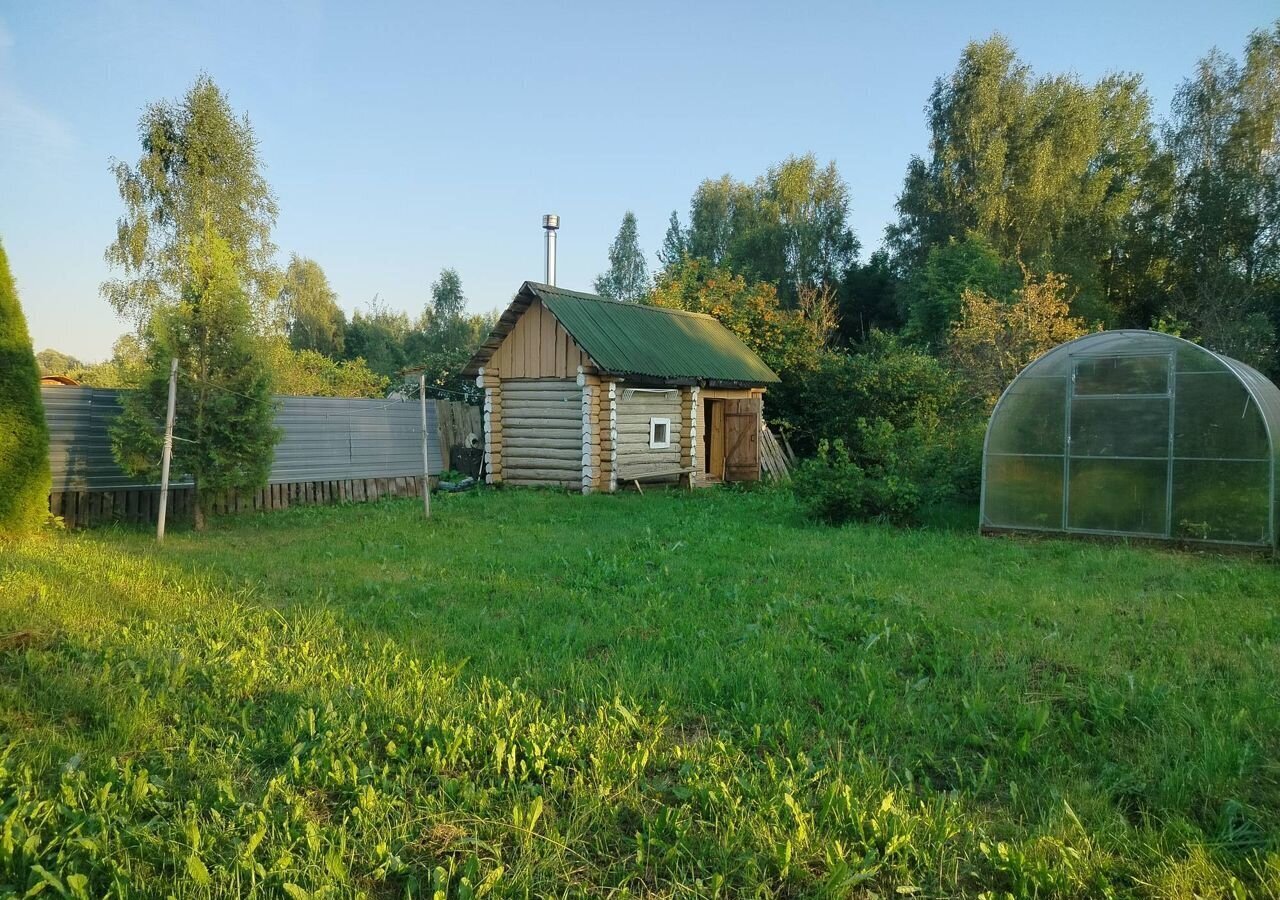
(583, 295)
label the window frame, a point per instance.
(656, 422)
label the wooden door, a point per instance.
(713, 438)
(742, 439)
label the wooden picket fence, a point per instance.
(456, 421)
(81, 509)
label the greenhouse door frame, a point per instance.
(1169, 396)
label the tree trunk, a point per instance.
(199, 510)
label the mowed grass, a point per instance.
(537, 694)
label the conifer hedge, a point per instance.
(24, 436)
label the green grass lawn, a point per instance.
(669, 695)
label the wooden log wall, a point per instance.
(689, 414)
(609, 434)
(491, 383)
(540, 437)
(592, 457)
(82, 509)
(635, 409)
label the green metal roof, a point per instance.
(652, 341)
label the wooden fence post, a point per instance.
(426, 455)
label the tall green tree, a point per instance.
(674, 248)
(55, 362)
(310, 308)
(199, 169)
(1225, 235)
(931, 297)
(722, 218)
(1049, 171)
(198, 280)
(224, 426)
(789, 228)
(628, 276)
(869, 299)
(447, 299)
(24, 436)
(805, 210)
(447, 336)
(379, 335)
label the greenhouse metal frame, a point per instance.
(1135, 434)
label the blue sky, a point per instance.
(404, 137)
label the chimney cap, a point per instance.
(550, 221)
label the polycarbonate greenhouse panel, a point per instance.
(1135, 433)
(1220, 500)
(1025, 492)
(1118, 496)
(1105, 375)
(1037, 418)
(1217, 419)
(1120, 427)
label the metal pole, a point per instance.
(550, 271)
(168, 451)
(426, 458)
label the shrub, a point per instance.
(835, 489)
(931, 297)
(306, 373)
(24, 436)
(830, 486)
(896, 410)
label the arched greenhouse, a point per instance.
(1135, 433)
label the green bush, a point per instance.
(830, 486)
(24, 436)
(835, 489)
(896, 410)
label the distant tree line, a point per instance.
(1046, 206)
(379, 340)
(1174, 221)
(313, 349)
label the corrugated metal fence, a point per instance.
(331, 449)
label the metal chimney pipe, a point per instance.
(550, 224)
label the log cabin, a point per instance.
(590, 394)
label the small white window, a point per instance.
(659, 434)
